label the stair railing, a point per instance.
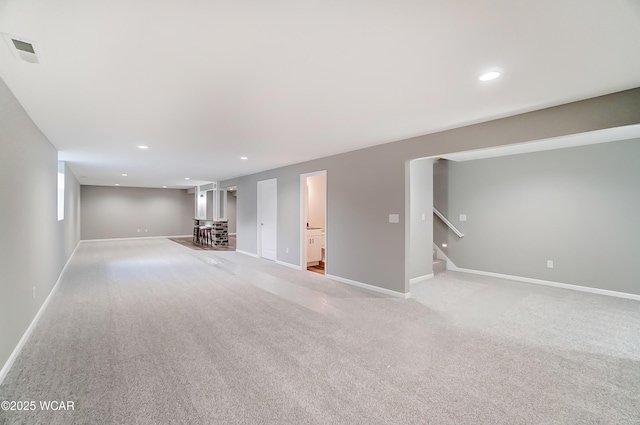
(448, 223)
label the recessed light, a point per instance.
(143, 147)
(244, 158)
(124, 174)
(187, 178)
(117, 184)
(164, 187)
(488, 76)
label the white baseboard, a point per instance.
(16, 351)
(293, 266)
(233, 234)
(247, 253)
(451, 266)
(548, 283)
(369, 287)
(136, 238)
(421, 278)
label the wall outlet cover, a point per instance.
(394, 218)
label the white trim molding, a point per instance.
(135, 238)
(25, 337)
(421, 278)
(247, 253)
(292, 266)
(370, 287)
(546, 283)
(452, 267)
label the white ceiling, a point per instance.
(205, 82)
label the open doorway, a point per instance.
(231, 209)
(313, 221)
(227, 211)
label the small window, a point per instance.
(60, 190)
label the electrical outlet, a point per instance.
(287, 250)
(138, 230)
(463, 217)
(549, 264)
(34, 292)
(424, 216)
(146, 230)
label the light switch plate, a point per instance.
(394, 218)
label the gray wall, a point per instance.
(34, 245)
(367, 185)
(118, 212)
(351, 243)
(579, 207)
(420, 258)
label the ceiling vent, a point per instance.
(23, 49)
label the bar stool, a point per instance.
(196, 234)
(205, 235)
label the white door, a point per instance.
(267, 218)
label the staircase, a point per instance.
(439, 266)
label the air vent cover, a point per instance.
(22, 49)
(23, 46)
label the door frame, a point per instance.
(303, 216)
(259, 217)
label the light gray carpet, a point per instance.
(150, 332)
